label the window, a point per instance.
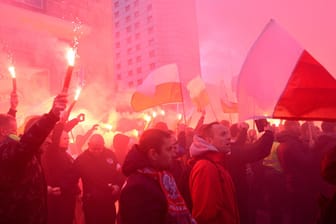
(151, 41)
(128, 18)
(129, 61)
(136, 3)
(128, 29)
(138, 59)
(139, 82)
(149, 7)
(36, 4)
(116, 24)
(118, 66)
(117, 45)
(127, 8)
(117, 34)
(137, 25)
(137, 36)
(129, 50)
(138, 47)
(130, 73)
(130, 84)
(136, 13)
(119, 76)
(116, 14)
(152, 65)
(149, 19)
(118, 55)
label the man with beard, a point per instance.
(150, 195)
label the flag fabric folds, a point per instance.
(198, 93)
(161, 86)
(281, 79)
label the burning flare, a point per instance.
(11, 70)
(71, 55)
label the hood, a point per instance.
(134, 160)
(200, 146)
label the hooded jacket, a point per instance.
(212, 190)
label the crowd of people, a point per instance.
(215, 173)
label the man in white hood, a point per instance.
(211, 187)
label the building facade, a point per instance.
(152, 33)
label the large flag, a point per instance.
(161, 86)
(198, 93)
(281, 79)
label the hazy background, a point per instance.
(227, 30)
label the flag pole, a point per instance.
(230, 116)
(213, 110)
(183, 106)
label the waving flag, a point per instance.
(198, 93)
(161, 86)
(281, 79)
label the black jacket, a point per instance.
(141, 199)
(23, 190)
(97, 173)
(241, 155)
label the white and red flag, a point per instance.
(198, 93)
(280, 79)
(161, 86)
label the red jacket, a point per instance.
(212, 191)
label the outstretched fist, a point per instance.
(81, 117)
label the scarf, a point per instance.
(178, 212)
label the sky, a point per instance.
(227, 30)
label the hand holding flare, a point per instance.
(11, 70)
(71, 54)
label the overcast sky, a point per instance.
(228, 28)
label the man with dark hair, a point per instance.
(23, 189)
(296, 163)
(150, 195)
(212, 190)
(239, 162)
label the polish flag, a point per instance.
(280, 79)
(161, 86)
(198, 93)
